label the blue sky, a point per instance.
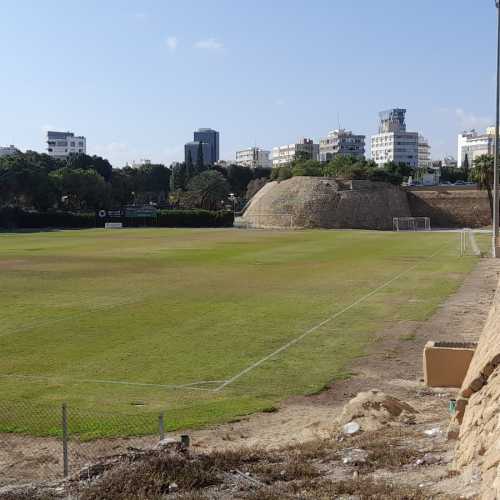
(137, 77)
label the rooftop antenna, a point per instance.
(338, 119)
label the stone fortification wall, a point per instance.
(318, 202)
(451, 207)
(478, 408)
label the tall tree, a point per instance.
(210, 188)
(199, 158)
(482, 173)
(466, 167)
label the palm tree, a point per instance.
(482, 173)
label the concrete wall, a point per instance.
(478, 408)
(451, 207)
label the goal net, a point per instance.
(468, 243)
(411, 224)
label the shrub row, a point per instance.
(16, 218)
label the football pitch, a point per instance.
(206, 325)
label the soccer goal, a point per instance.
(411, 224)
(468, 243)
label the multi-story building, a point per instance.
(9, 150)
(393, 142)
(209, 140)
(211, 137)
(341, 142)
(192, 148)
(253, 158)
(471, 144)
(284, 155)
(424, 153)
(63, 144)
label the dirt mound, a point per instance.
(373, 410)
(321, 202)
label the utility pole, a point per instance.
(497, 134)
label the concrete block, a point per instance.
(446, 363)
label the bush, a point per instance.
(16, 218)
(195, 218)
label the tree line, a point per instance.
(347, 167)
(81, 182)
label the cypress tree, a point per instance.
(199, 158)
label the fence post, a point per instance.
(65, 439)
(161, 425)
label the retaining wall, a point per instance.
(451, 207)
(478, 408)
(318, 202)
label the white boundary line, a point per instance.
(324, 322)
(191, 385)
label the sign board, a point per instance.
(134, 212)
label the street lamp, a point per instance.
(497, 133)
(233, 198)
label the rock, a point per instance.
(351, 428)
(167, 442)
(428, 459)
(172, 487)
(354, 456)
(436, 431)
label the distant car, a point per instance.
(460, 183)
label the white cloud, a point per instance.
(209, 44)
(172, 42)
(470, 120)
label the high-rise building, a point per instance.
(192, 148)
(9, 150)
(393, 142)
(211, 137)
(341, 142)
(284, 155)
(424, 153)
(63, 144)
(471, 144)
(209, 140)
(253, 158)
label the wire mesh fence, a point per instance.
(50, 442)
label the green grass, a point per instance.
(180, 306)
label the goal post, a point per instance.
(468, 243)
(411, 224)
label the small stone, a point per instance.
(173, 487)
(351, 428)
(354, 456)
(436, 431)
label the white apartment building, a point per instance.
(9, 150)
(254, 158)
(393, 142)
(471, 144)
(424, 153)
(63, 144)
(341, 142)
(284, 155)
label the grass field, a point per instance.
(172, 317)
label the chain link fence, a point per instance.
(44, 443)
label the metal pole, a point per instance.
(497, 134)
(161, 425)
(65, 439)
